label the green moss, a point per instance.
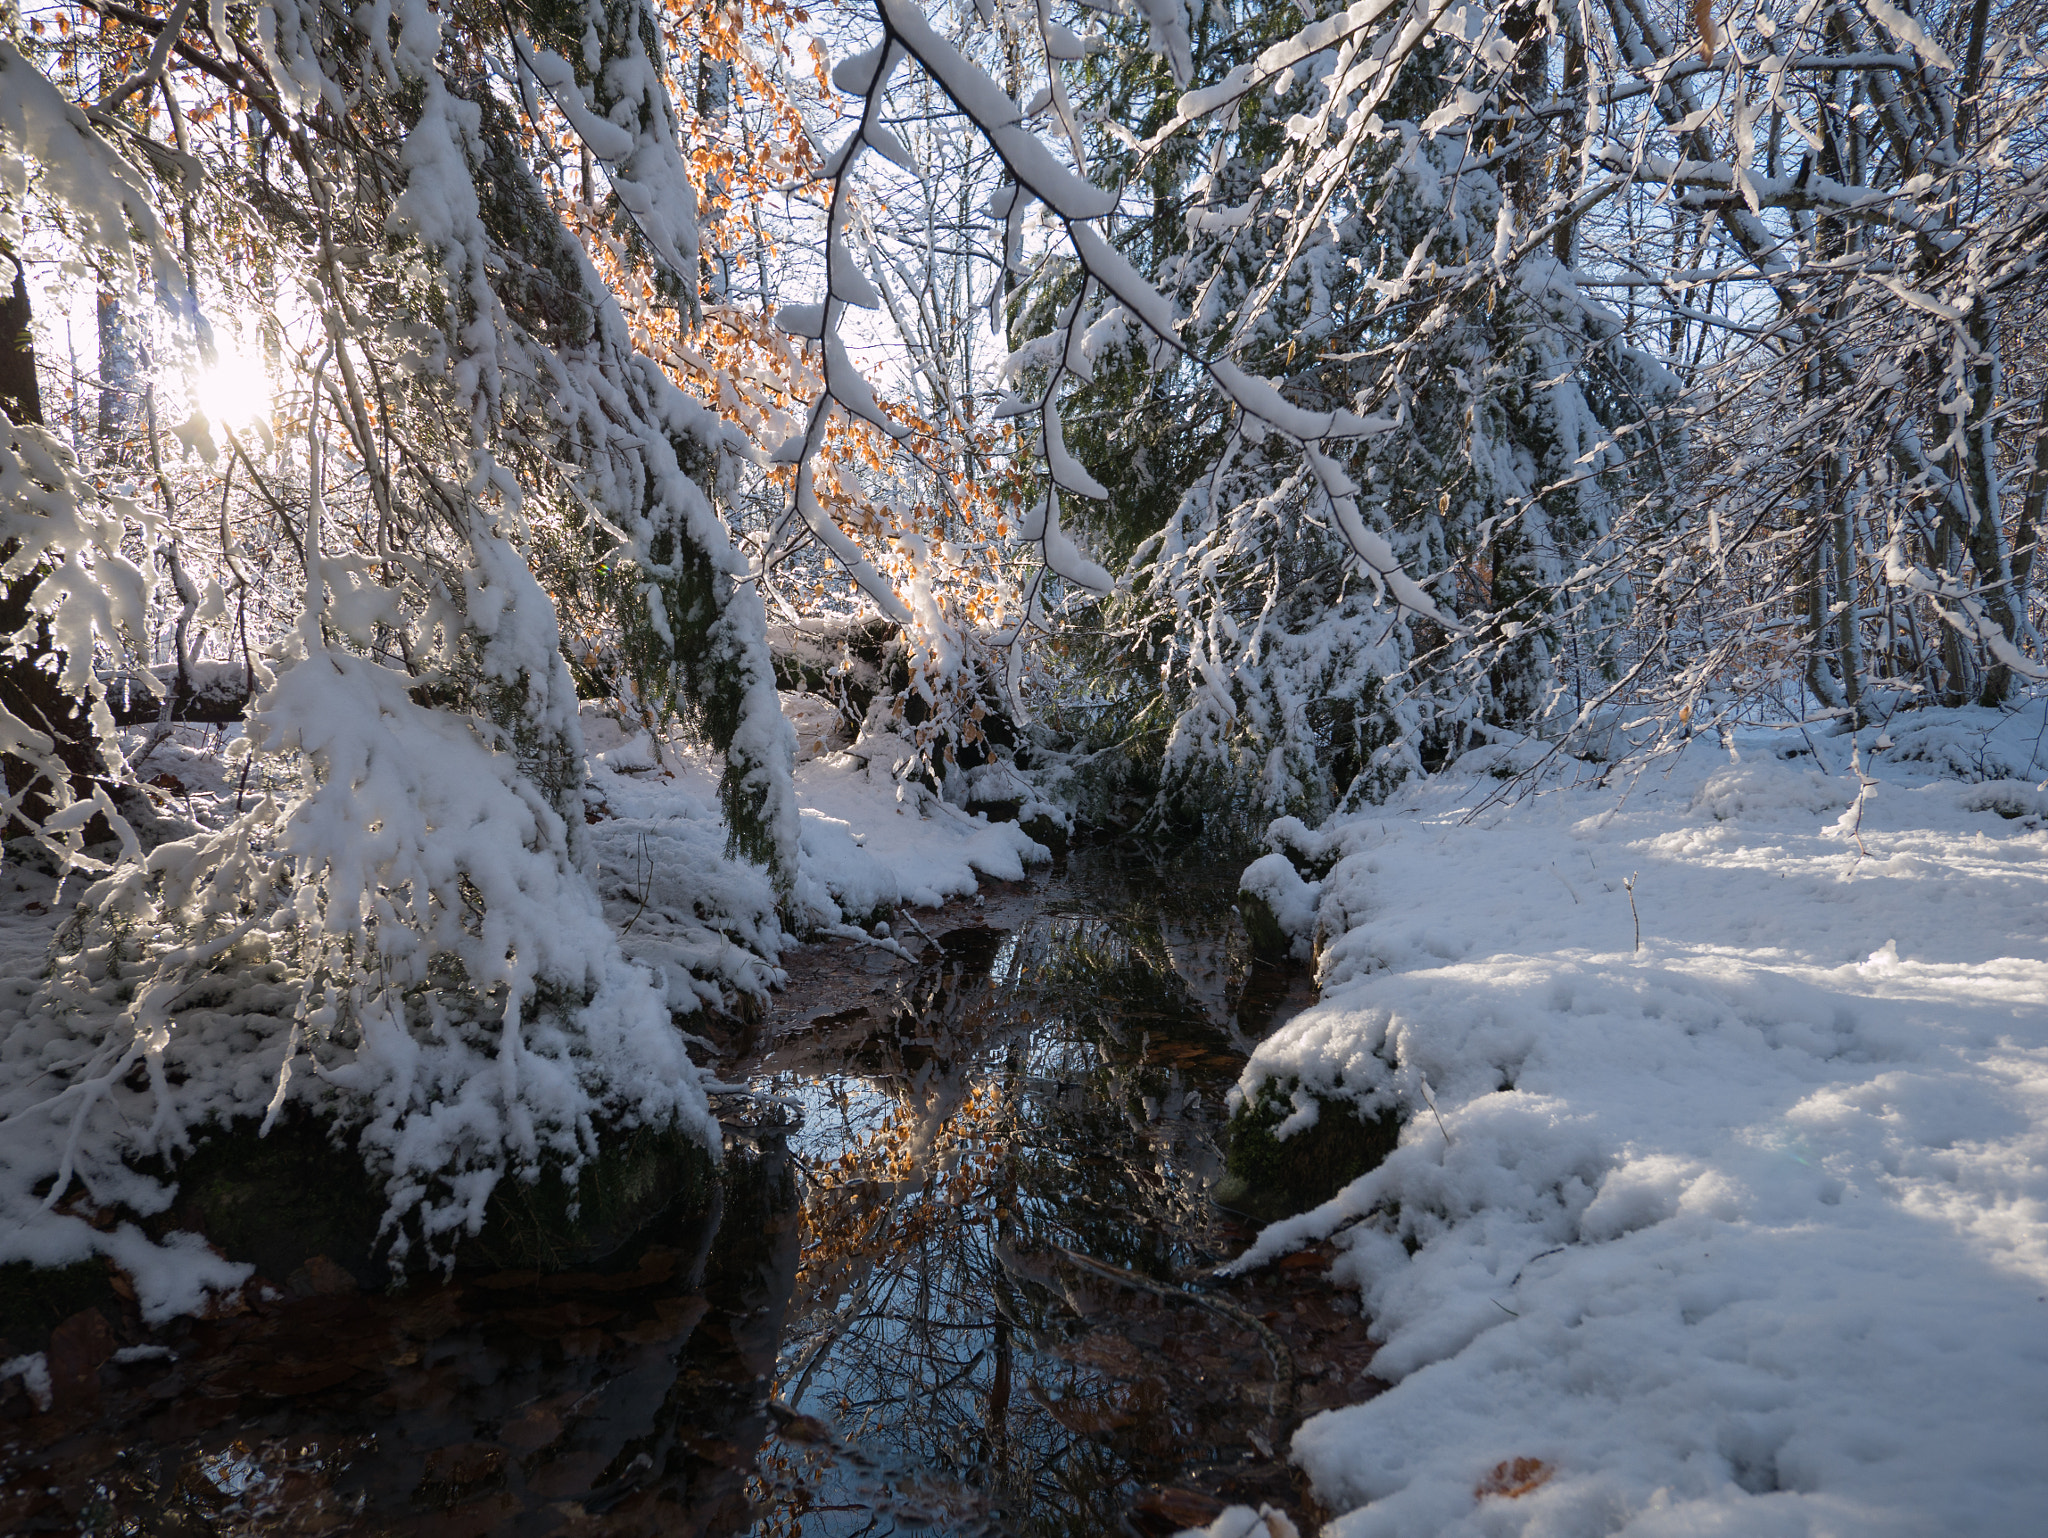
(1271, 1177)
(279, 1200)
(276, 1201)
(1048, 831)
(643, 1179)
(1269, 941)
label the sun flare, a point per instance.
(234, 390)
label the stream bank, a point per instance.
(948, 1282)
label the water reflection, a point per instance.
(879, 1331)
(1056, 1086)
(621, 1402)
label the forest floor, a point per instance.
(1722, 1204)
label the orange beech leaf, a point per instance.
(1703, 17)
(1513, 1478)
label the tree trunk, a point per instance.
(28, 684)
(1848, 623)
(1986, 534)
(2027, 536)
(20, 397)
(117, 373)
(1819, 682)
(1562, 242)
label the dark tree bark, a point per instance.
(117, 372)
(28, 684)
(20, 397)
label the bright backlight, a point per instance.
(233, 390)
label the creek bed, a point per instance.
(945, 1288)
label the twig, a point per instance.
(1280, 1403)
(1439, 1115)
(646, 887)
(911, 919)
(1864, 784)
(1630, 887)
(1567, 885)
(1553, 1250)
(860, 936)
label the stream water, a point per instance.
(958, 1283)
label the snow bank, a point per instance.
(1745, 1231)
(870, 841)
(652, 913)
(704, 923)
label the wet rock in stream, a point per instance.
(1272, 1177)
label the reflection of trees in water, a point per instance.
(1055, 1087)
(625, 1402)
(1064, 1097)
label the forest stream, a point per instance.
(957, 1280)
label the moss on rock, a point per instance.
(1270, 942)
(275, 1201)
(1271, 1177)
(1048, 831)
(641, 1179)
(279, 1200)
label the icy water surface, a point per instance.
(951, 1290)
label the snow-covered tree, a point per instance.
(399, 926)
(1372, 379)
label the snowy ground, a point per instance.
(869, 844)
(1744, 1232)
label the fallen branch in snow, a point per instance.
(911, 919)
(1439, 1115)
(855, 932)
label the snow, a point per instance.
(997, 116)
(93, 598)
(1274, 879)
(47, 143)
(1745, 1231)
(1243, 1522)
(667, 923)
(708, 924)
(869, 840)
(34, 1371)
(869, 843)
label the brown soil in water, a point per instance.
(953, 1289)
